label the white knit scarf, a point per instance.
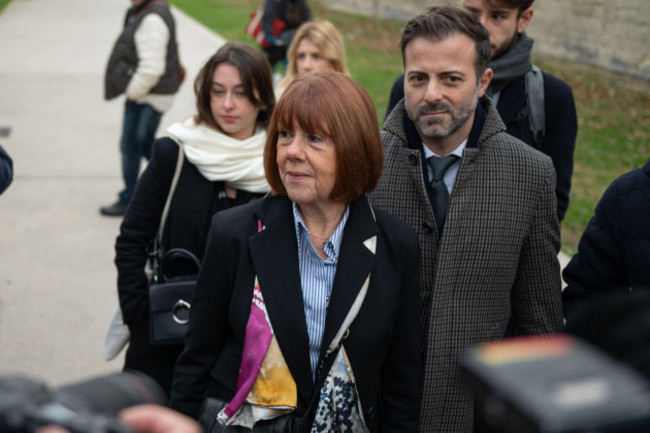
(221, 158)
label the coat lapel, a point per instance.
(275, 256)
(354, 264)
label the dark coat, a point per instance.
(384, 340)
(195, 201)
(6, 170)
(497, 256)
(561, 128)
(277, 9)
(614, 251)
(560, 132)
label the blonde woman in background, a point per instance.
(316, 47)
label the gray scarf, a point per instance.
(512, 64)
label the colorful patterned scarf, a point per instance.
(265, 387)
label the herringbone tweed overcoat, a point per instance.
(497, 256)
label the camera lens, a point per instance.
(110, 394)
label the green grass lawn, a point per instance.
(3, 3)
(613, 109)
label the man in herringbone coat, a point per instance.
(493, 258)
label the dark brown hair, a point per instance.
(441, 22)
(521, 5)
(334, 105)
(255, 74)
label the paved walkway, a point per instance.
(57, 278)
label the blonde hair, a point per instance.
(327, 39)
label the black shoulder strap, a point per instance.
(535, 103)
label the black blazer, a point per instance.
(384, 340)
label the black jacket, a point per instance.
(384, 340)
(614, 251)
(561, 128)
(195, 201)
(277, 9)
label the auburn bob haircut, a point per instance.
(334, 105)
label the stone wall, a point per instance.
(614, 34)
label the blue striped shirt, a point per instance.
(317, 279)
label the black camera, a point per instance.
(555, 384)
(86, 407)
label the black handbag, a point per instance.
(172, 283)
(170, 295)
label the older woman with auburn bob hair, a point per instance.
(326, 282)
(316, 47)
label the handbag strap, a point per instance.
(328, 359)
(172, 188)
(371, 244)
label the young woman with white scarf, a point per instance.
(222, 146)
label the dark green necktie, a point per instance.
(439, 166)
